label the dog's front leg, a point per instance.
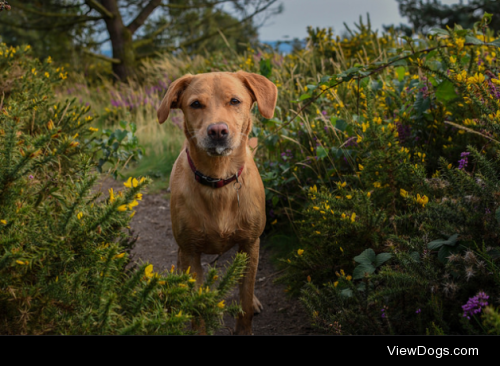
(247, 284)
(192, 261)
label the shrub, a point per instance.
(63, 250)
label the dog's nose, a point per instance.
(218, 131)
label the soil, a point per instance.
(156, 245)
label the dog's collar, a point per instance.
(209, 181)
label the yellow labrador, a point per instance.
(217, 194)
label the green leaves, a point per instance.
(266, 67)
(446, 247)
(445, 92)
(369, 262)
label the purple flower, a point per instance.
(31, 177)
(324, 113)
(418, 311)
(475, 304)
(404, 132)
(464, 161)
(383, 313)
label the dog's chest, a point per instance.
(212, 224)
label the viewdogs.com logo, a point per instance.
(427, 351)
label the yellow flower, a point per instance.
(335, 284)
(92, 129)
(313, 189)
(353, 217)
(80, 215)
(20, 262)
(50, 125)
(122, 208)
(179, 314)
(221, 305)
(348, 278)
(308, 278)
(316, 208)
(274, 222)
(191, 280)
(172, 269)
(369, 194)
(133, 204)
(403, 193)
(343, 184)
(121, 255)
(318, 232)
(342, 250)
(132, 214)
(343, 216)
(49, 60)
(138, 196)
(111, 195)
(348, 196)
(361, 167)
(3, 222)
(449, 166)
(300, 251)
(148, 271)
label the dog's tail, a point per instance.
(252, 143)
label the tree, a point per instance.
(135, 28)
(432, 13)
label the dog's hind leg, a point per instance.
(247, 284)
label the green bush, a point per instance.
(399, 234)
(63, 250)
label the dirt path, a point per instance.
(156, 245)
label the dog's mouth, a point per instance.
(219, 151)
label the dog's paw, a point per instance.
(257, 306)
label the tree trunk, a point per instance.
(121, 41)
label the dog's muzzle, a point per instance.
(218, 141)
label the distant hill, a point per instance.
(283, 47)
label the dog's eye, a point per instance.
(195, 105)
(235, 101)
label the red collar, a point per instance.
(211, 182)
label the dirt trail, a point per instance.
(156, 245)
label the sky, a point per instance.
(298, 14)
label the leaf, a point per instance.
(266, 68)
(304, 97)
(382, 258)
(346, 292)
(400, 71)
(359, 271)
(275, 200)
(440, 31)
(473, 40)
(451, 241)
(495, 43)
(341, 125)
(445, 91)
(321, 152)
(444, 253)
(367, 257)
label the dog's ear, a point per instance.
(263, 90)
(171, 99)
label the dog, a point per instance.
(217, 195)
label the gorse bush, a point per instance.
(401, 226)
(63, 250)
(382, 161)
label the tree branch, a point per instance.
(207, 36)
(143, 15)
(151, 38)
(29, 9)
(102, 57)
(99, 8)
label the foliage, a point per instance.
(425, 15)
(72, 30)
(395, 189)
(65, 252)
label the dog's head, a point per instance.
(217, 107)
